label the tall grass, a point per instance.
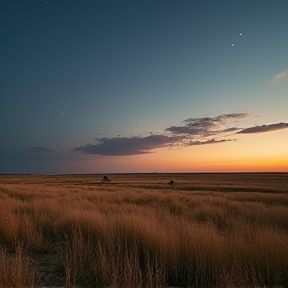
(15, 268)
(144, 233)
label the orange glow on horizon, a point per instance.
(161, 162)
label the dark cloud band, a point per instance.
(264, 128)
(129, 146)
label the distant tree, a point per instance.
(106, 179)
(171, 182)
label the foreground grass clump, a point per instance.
(206, 230)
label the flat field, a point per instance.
(205, 230)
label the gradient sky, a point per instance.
(143, 86)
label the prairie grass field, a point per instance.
(205, 230)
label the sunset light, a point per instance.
(153, 86)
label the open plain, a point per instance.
(203, 230)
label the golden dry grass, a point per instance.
(206, 230)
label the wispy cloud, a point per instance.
(211, 141)
(192, 132)
(278, 77)
(39, 149)
(207, 126)
(264, 128)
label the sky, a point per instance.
(113, 86)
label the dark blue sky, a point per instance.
(102, 74)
